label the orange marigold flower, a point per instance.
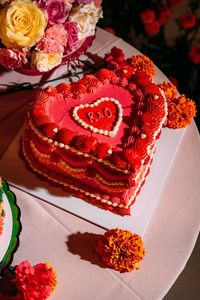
(52, 277)
(120, 249)
(181, 112)
(142, 63)
(169, 90)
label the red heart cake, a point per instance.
(96, 137)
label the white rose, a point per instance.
(45, 61)
(86, 17)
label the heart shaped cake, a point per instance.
(96, 137)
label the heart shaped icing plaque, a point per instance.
(96, 137)
(103, 116)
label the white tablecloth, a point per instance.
(67, 242)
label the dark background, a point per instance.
(168, 47)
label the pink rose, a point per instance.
(72, 43)
(57, 10)
(12, 58)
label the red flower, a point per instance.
(12, 58)
(36, 282)
(173, 3)
(115, 59)
(153, 28)
(147, 16)
(194, 54)
(187, 20)
(164, 16)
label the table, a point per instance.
(67, 242)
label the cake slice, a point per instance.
(96, 137)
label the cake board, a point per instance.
(13, 168)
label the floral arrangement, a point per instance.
(168, 31)
(181, 110)
(120, 249)
(29, 282)
(41, 33)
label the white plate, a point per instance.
(11, 228)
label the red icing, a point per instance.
(79, 143)
(106, 75)
(64, 88)
(51, 90)
(91, 142)
(118, 159)
(134, 157)
(101, 150)
(142, 78)
(151, 88)
(103, 116)
(79, 89)
(65, 136)
(40, 120)
(91, 82)
(49, 130)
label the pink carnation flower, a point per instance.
(72, 43)
(55, 39)
(36, 282)
(12, 58)
(57, 10)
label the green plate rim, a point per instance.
(16, 226)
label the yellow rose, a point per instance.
(44, 61)
(22, 24)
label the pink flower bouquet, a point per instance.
(41, 34)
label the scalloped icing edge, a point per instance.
(14, 242)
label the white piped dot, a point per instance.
(109, 202)
(103, 200)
